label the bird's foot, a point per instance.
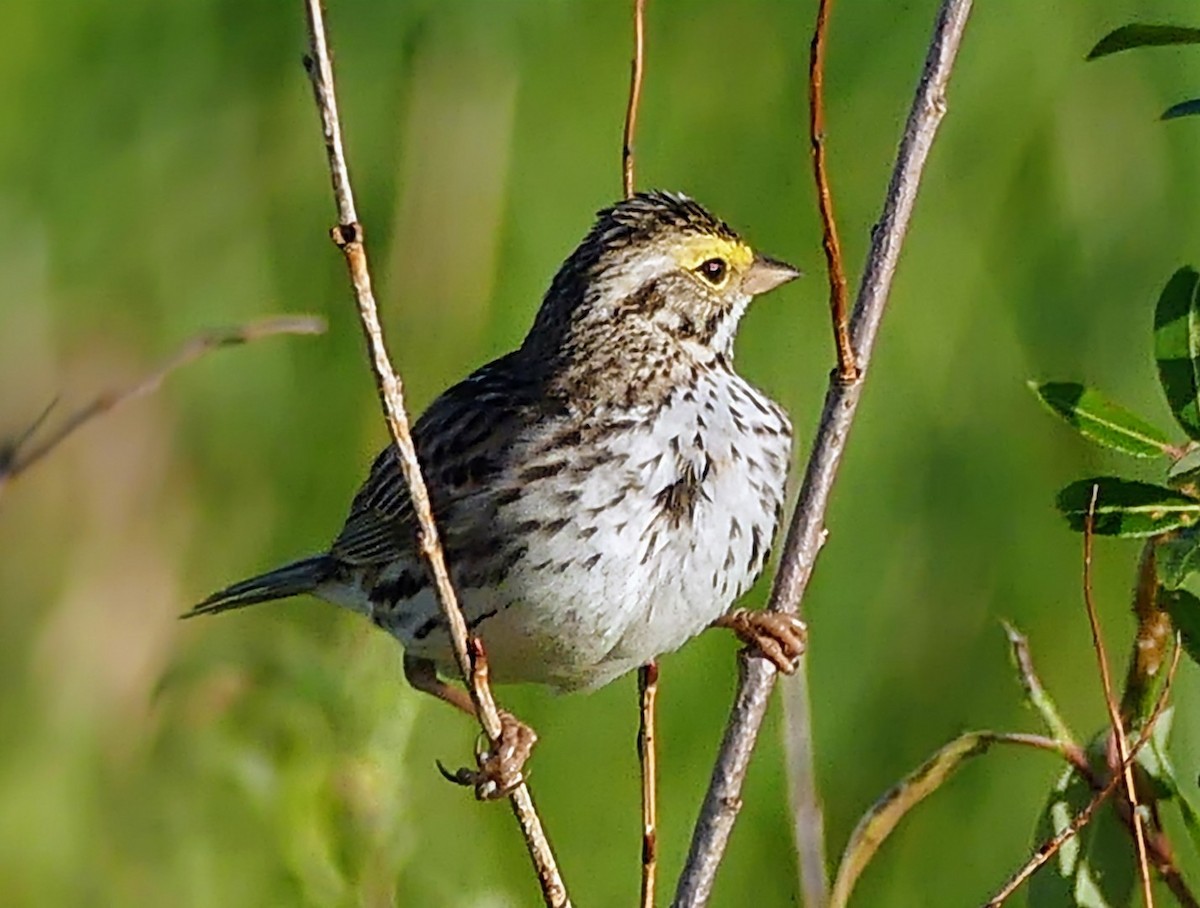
(775, 636)
(501, 764)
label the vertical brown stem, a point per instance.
(636, 69)
(838, 305)
(1114, 714)
(648, 757)
(647, 674)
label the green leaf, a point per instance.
(1156, 773)
(1184, 609)
(1182, 109)
(1177, 348)
(1127, 508)
(1177, 558)
(1154, 759)
(1128, 37)
(1094, 869)
(878, 822)
(1101, 421)
(1185, 469)
(1191, 819)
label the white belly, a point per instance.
(621, 568)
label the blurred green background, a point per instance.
(161, 171)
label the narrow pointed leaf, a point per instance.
(878, 822)
(1127, 508)
(1182, 109)
(1100, 420)
(1177, 348)
(1128, 37)
(1184, 609)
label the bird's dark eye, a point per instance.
(713, 270)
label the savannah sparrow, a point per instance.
(604, 493)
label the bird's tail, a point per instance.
(301, 576)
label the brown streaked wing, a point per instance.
(380, 527)
(461, 441)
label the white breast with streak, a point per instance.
(619, 576)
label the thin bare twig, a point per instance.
(838, 303)
(647, 674)
(19, 456)
(1035, 692)
(807, 531)
(348, 235)
(808, 821)
(636, 68)
(648, 758)
(1073, 755)
(1110, 701)
(1049, 849)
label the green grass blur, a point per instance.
(161, 171)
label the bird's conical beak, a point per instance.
(766, 274)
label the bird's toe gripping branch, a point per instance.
(776, 636)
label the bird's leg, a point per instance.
(776, 636)
(422, 675)
(502, 762)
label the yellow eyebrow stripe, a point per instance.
(696, 249)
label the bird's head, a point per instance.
(660, 263)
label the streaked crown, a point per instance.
(657, 263)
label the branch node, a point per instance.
(479, 663)
(649, 847)
(346, 234)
